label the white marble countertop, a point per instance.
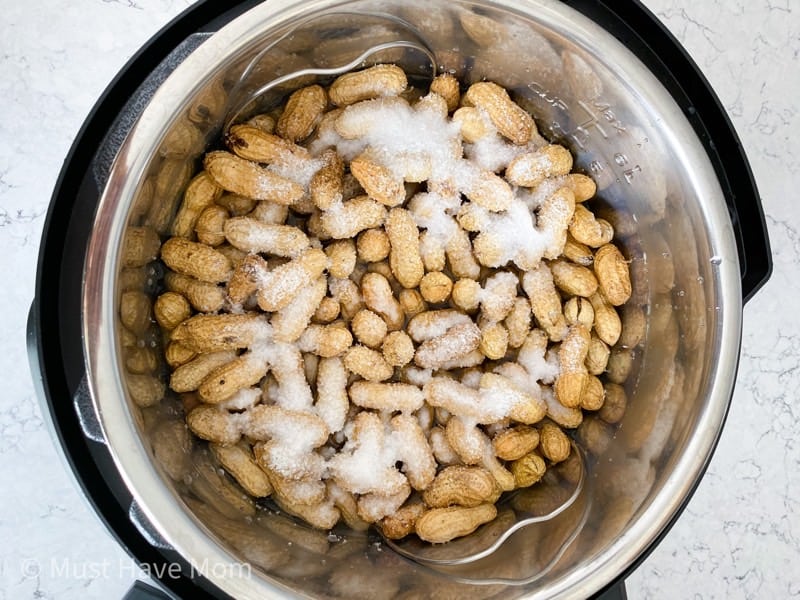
(739, 536)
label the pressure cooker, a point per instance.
(604, 79)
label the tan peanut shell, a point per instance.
(515, 442)
(511, 120)
(200, 261)
(140, 246)
(201, 193)
(404, 256)
(327, 184)
(531, 169)
(247, 178)
(613, 275)
(380, 80)
(378, 181)
(209, 226)
(191, 374)
(302, 112)
(463, 486)
(447, 86)
(572, 279)
(553, 443)
(528, 470)
(223, 382)
(135, 311)
(171, 309)
(238, 461)
(439, 525)
(209, 333)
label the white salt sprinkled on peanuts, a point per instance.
(346, 422)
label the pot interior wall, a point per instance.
(561, 72)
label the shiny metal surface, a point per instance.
(587, 91)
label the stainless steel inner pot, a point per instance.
(587, 91)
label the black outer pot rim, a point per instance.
(61, 257)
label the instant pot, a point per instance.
(603, 78)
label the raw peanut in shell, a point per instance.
(256, 145)
(404, 256)
(302, 112)
(579, 310)
(475, 124)
(440, 525)
(212, 424)
(378, 181)
(573, 378)
(176, 354)
(378, 297)
(145, 390)
(447, 86)
(327, 184)
(247, 178)
(463, 486)
(515, 442)
(135, 310)
(140, 360)
(412, 302)
(435, 287)
(607, 324)
(402, 522)
(490, 191)
(511, 120)
(528, 470)
(369, 328)
(238, 461)
(347, 219)
(210, 333)
(494, 341)
(545, 302)
(373, 245)
(367, 363)
(196, 260)
(553, 443)
(380, 80)
(140, 246)
(201, 193)
(593, 396)
(572, 279)
(342, 258)
(455, 342)
(171, 309)
(326, 341)
(529, 170)
(518, 322)
(597, 356)
(398, 349)
(290, 322)
(613, 274)
(209, 226)
(223, 382)
(278, 287)
(203, 296)
(387, 396)
(189, 376)
(585, 228)
(616, 401)
(580, 254)
(583, 187)
(251, 235)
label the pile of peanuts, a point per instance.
(385, 306)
